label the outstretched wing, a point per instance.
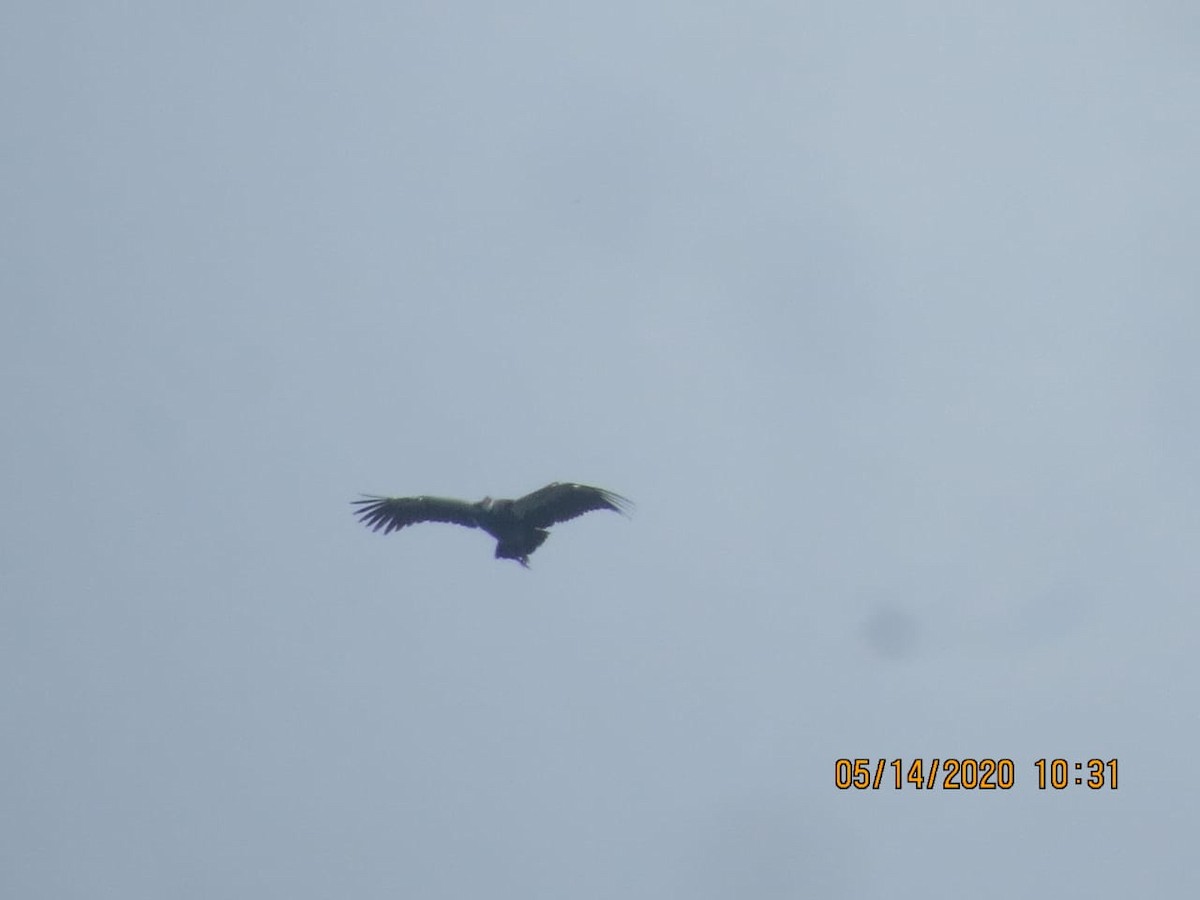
(559, 502)
(393, 513)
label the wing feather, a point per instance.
(561, 501)
(393, 513)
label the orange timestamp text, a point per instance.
(970, 774)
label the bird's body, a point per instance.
(519, 526)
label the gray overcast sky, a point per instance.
(885, 314)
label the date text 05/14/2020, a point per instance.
(968, 773)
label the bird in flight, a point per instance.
(519, 526)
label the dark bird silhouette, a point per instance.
(519, 526)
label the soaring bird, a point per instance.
(519, 526)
